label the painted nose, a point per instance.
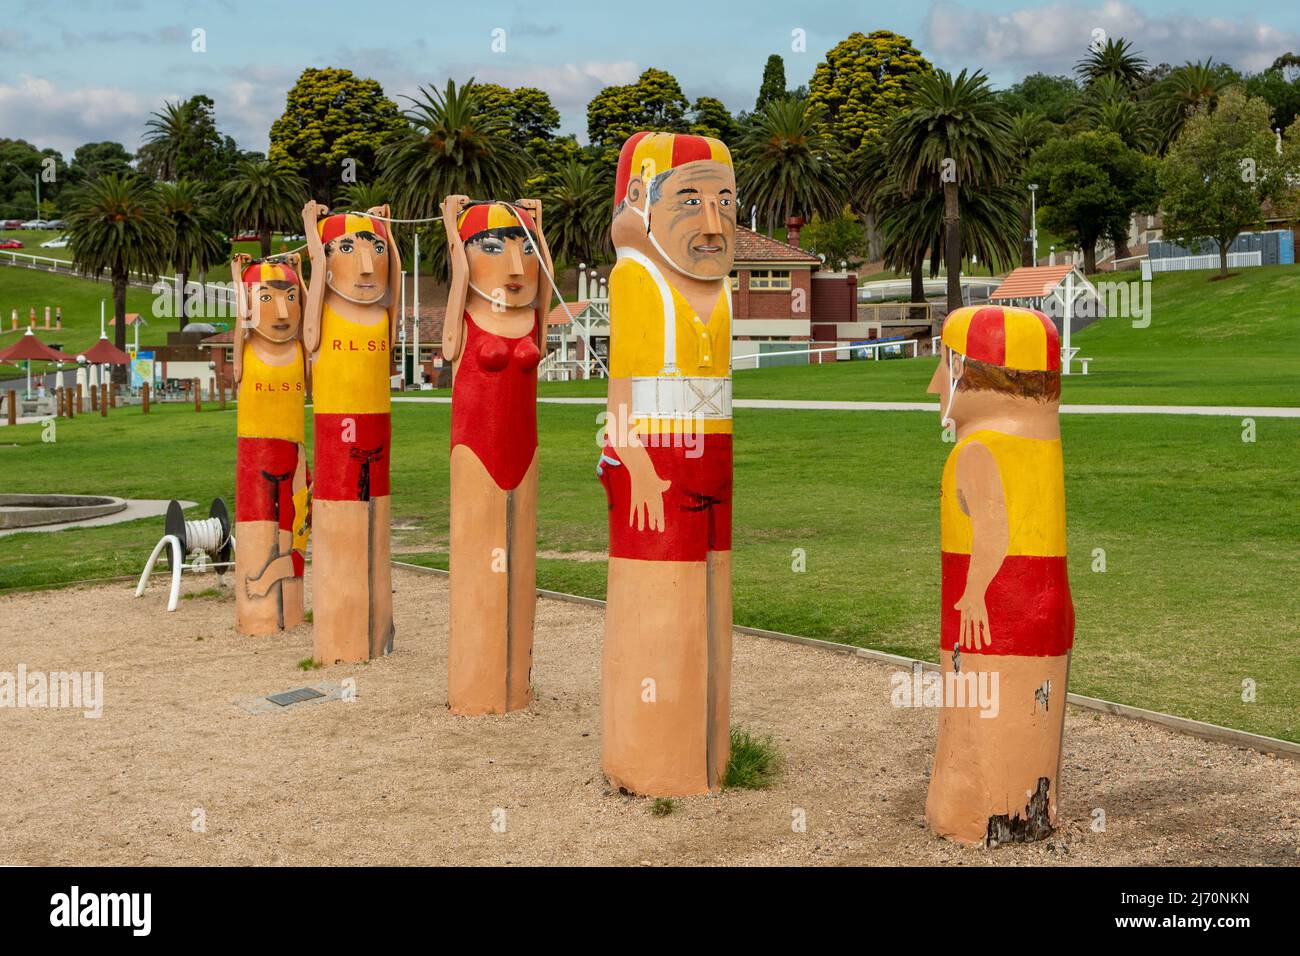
(367, 260)
(712, 218)
(281, 308)
(516, 261)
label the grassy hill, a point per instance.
(1235, 342)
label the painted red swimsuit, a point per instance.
(494, 402)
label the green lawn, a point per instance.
(1235, 342)
(1198, 529)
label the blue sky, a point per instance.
(77, 71)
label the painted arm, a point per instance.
(394, 270)
(979, 492)
(544, 290)
(311, 312)
(453, 324)
(237, 266)
(647, 499)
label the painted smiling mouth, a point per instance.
(707, 247)
(513, 286)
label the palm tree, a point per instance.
(115, 224)
(577, 212)
(1125, 118)
(165, 136)
(955, 136)
(358, 197)
(787, 163)
(263, 196)
(452, 146)
(1182, 91)
(195, 239)
(1115, 59)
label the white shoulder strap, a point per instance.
(666, 296)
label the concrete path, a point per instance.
(1231, 411)
(135, 508)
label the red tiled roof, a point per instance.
(557, 315)
(1030, 282)
(753, 247)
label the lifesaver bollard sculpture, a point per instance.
(201, 546)
(349, 326)
(666, 467)
(494, 336)
(1007, 621)
(272, 481)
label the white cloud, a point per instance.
(36, 110)
(1053, 37)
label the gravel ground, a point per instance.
(392, 778)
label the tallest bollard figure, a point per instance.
(348, 327)
(666, 467)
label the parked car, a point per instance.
(11, 224)
(10, 244)
(58, 242)
(35, 224)
(247, 237)
(55, 223)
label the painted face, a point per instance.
(358, 266)
(276, 313)
(504, 267)
(693, 222)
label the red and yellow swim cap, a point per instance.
(341, 224)
(1021, 339)
(269, 272)
(646, 155)
(497, 215)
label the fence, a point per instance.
(219, 292)
(1236, 260)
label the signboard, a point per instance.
(141, 368)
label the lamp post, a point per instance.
(1033, 219)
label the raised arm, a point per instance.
(453, 324)
(311, 311)
(392, 301)
(545, 292)
(237, 266)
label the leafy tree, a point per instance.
(1090, 184)
(92, 160)
(1222, 166)
(787, 164)
(861, 84)
(835, 238)
(332, 116)
(1053, 97)
(1028, 131)
(263, 196)
(358, 197)
(452, 145)
(709, 117)
(20, 164)
(116, 225)
(654, 102)
(531, 118)
(1115, 58)
(195, 242)
(1280, 92)
(181, 141)
(956, 138)
(773, 86)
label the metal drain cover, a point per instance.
(294, 696)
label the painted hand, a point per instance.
(974, 622)
(648, 489)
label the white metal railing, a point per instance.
(872, 347)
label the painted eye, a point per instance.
(292, 297)
(265, 297)
(493, 247)
(724, 202)
(379, 248)
(345, 247)
(692, 202)
(528, 248)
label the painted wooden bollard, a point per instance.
(1007, 620)
(198, 396)
(349, 327)
(666, 467)
(103, 401)
(11, 406)
(272, 490)
(494, 337)
(144, 398)
(80, 407)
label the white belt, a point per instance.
(681, 396)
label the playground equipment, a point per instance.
(666, 466)
(1007, 621)
(199, 546)
(494, 337)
